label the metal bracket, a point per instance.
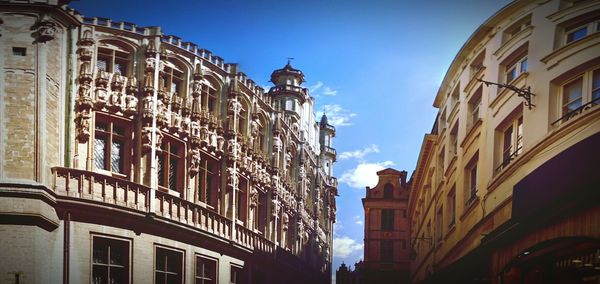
(521, 92)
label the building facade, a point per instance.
(506, 184)
(386, 238)
(128, 155)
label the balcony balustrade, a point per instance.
(114, 191)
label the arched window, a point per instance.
(388, 191)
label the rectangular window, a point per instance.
(576, 34)
(387, 219)
(514, 70)
(19, 51)
(168, 268)
(206, 270)
(386, 251)
(471, 180)
(453, 147)
(512, 141)
(236, 276)
(473, 107)
(112, 60)
(516, 28)
(451, 205)
(110, 260)
(572, 95)
(111, 146)
(172, 79)
(170, 167)
(579, 94)
(206, 181)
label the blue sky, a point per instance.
(373, 66)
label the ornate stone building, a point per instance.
(506, 187)
(128, 155)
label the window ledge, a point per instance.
(469, 208)
(471, 134)
(503, 96)
(573, 48)
(572, 12)
(473, 81)
(453, 113)
(512, 42)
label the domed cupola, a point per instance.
(287, 81)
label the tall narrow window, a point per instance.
(473, 108)
(110, 261)
(170, 168)
(207, 177)
(451, 205)
(471, 180)
(439, 218)
(512, 141)
(111, 146)
(515, 69)
(168, 268)
(572, 95)
(453, 146)
(387, 219)
(386, 250)
(206, 270)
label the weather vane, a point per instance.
(290, 59)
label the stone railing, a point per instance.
(102, 188)
(114, 191)
(183, 211)
(247, 238)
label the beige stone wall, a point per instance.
(551, 63)
(19, 97)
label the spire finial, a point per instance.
(290, 60)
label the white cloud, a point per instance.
(358, 220)
(365, 174)
(336, 115)
(359, 154)
(315, 87)
(329, 92)
(344, 246)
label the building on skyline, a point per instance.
(386, 236)
(128, 155)
(506, 185)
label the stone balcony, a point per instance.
(98, 189)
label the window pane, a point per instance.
(576, 34)
(507, 144)
(511, 74)
(173, 173)
(160, 169)
(99, 152)
(572, 95)
(524, 65)
(102, 64)
(116, 157)
(596, 85)
(99, 274)
(519, 147)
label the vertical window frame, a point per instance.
(110, 135)
(200, 277)
(112, 243)
(161, 251)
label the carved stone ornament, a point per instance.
(194, 167)
(46, 31)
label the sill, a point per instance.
(503, 96)
(574, 48)
(470, 208)
(453, 113)
(170, 192)
(473, 81)
(512, 42)
(450, 168)
(470, 137)
(111, 174)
